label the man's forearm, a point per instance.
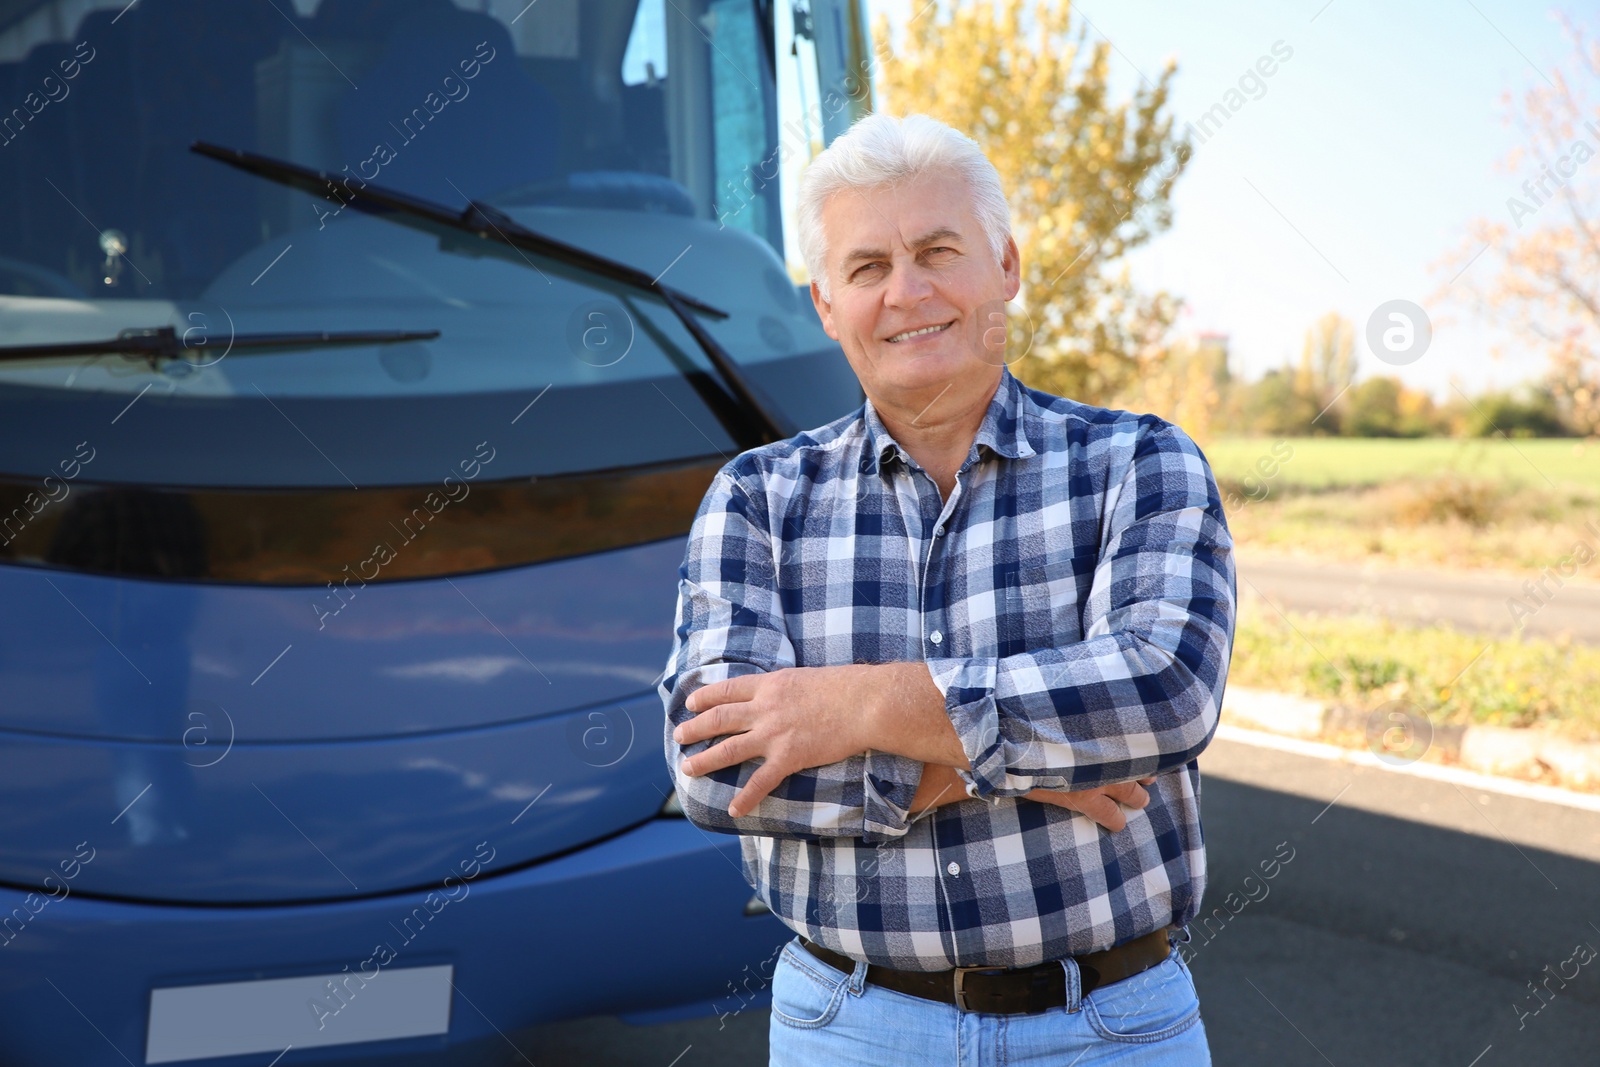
(938, 786)
(907, 716)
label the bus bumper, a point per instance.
(641, 924)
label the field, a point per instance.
(1324, 463)
(1488, 504)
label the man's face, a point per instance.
(917, 295)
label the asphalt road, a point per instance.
(1403, 931)
(1467, 600)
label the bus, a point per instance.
(362, 366)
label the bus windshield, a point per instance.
(628, 128)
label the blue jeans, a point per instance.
(822, 1017)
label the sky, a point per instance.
(1342, 185)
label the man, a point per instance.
(923, 650)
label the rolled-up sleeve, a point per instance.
(729, 622)
(1143, 691)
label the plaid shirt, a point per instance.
(1074, 602)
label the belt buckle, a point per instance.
(961, 991)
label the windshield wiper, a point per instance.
(155, 343)
(762, 420)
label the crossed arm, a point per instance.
(856, 750)
(797, 718)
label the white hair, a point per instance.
(882, 150)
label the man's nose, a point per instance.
(909, 284)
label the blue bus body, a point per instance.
(336, 582)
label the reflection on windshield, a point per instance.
(558, 103)
(624, 128)
(742, 406)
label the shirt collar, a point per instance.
(1002, 429)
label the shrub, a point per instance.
(1450, 497)
(1527, 413)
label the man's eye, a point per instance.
(865, 268)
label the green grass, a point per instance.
(1453, 677)
(1322, 463)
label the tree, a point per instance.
(1312, 396)
(1088, 180)
(1386, 407)
(1374, 408)
(1272, 406)
(1186, 382)
(1525, 412)
(1535, 272)
(1327, 366)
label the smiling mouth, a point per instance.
(897, 338)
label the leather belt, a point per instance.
(1012, 990)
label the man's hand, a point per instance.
(1103, 805)
(793, 719)
(941, 785)
(801, 717)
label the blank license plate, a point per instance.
(270, 1015)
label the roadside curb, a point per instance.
(1525, 754)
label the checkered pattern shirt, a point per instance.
(1074, 602)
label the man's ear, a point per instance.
(824, 311)
(1011, 264)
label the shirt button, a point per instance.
(954, 868)
(936, 637)
(938, 531)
